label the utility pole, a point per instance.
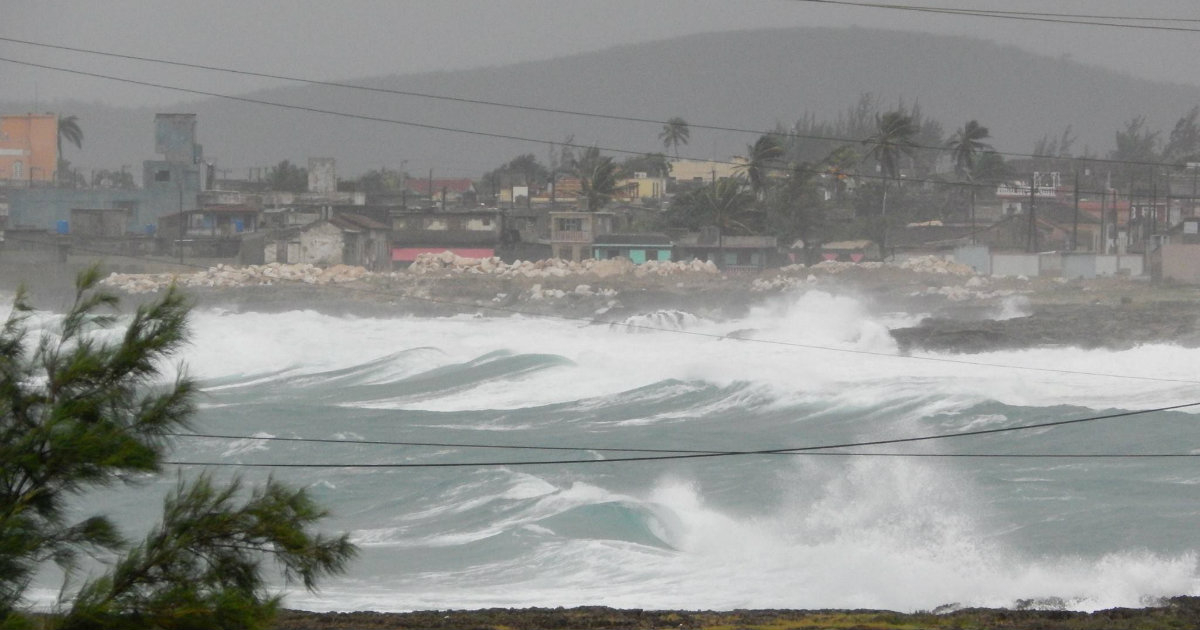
(1032, 240)
(1153, 202)
(430, 188)
(1075, 223)
(1128, 218)
(179, 185)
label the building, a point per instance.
(346, 239)
(170, 186)
(641, 188)
(638, 248)
(730, 253)
(572, 233)
(467, 233)
(28, 149)
(703, 171)
(444, 191)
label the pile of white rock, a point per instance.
(918, 264)
(228, 276)
(448, 262)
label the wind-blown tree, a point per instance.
(652, 164)
(675, 132)
(1183, 145)
(287, 177)
(597, 178)
(965, 145)
(69, 130)
(726, 205)
(892, 139)
(761, 157)
(795, 208)
(79, 411)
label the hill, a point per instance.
(745, 79)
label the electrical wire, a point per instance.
(1023, 16)
(534, 108)
(679, 455)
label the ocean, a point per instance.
(906, 527)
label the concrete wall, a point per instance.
(1181, 263)
(1106, 265)
(321, 245)
(1015, 265)
(322, 175)
(1134, 265)
(175, 137)
(979, 258)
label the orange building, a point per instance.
(28, 147)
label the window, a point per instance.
(651, 254)
(570, 225)
(18, 169)
(162, 176)
(612, 253)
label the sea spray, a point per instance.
(781, 530)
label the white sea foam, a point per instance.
(766, 532)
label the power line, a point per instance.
(677, 455)
(1024, 16)
(799, 169)
(534, 108)
(695, 333)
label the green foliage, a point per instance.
(79, 410)
(383, 180)
(726, 205)
(200, 567)
(675, 132)
(287, 177)
(893, 137)
(523, 170)
(761, 157)
(653, 164)
(597, 178)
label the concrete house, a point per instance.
(169, 185)
(572, 233)
(638, 248)
(346, 239)
(467, 233)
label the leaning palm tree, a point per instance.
(964, 145)
(726, 205)
(68, 128)
(893, 137)
(761, 156)
(674, 133)
(597, 178)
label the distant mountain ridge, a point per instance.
(743, 79)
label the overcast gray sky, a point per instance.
(359, 38)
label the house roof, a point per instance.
(239, 208)
(421, 186)
(632, 239)
(357, 222)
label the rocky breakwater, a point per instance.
(229, 276)
(447, 262)
(435, 284)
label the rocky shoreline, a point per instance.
(965, 313)
(1177, 612)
